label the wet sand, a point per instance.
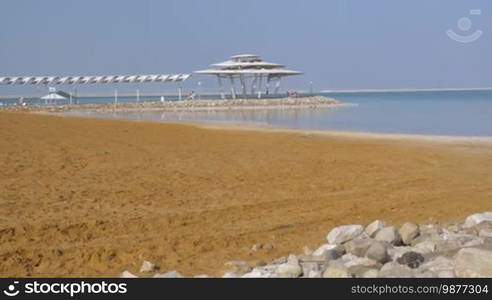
(92, 197)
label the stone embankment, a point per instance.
(187, 105)
(378, 250)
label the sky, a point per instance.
(338, 44)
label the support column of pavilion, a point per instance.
(233, 90)
(243, 85)
(259, 86)
(256, 85)
(277, 86)
(222, 94)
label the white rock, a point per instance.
(372, 273)
(408, 232)
(346, 258)
(389, 235)
(336, 270)
(486, 232)
(170, 274)
(425, 247)
(430, 229)
(378, 252)
(230, 275)
(426, 274)
(256, 247)
(291, 269)
(258, 273)
(147, 267)
(314, 274)
(397, 252)
(446, 274)
(461, 239)
(358, 246)
(395, 270)
(237, 267)
(201, 276)
(307, 251)
(438, 264)
(127, 274)
(341, 234)
(308, 266)
(474, 263)
(321, 250)
(361, 261)
(477, 219)
(280, 260)
(373, 228)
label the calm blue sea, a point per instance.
(455, 113)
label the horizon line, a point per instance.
(405, 90)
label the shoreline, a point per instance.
(445, 139)
(249, 126)
(219, 105)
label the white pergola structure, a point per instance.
(101, 79)
(248, 67)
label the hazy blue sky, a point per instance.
(338, 44)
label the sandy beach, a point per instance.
(92, 197)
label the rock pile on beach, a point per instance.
(379, 250)
(188, 105)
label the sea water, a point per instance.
(452, 113)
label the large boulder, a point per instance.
(373, 228)
(473, 262)
(342, 234)
(322, 249)
(389, 235)
(476, 219)
(378, 251)
(408, 232)
(358, 246)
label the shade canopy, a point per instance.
(247, 65)
(106, 79)
(53, 96)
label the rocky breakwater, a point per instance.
(377, 250)
(186, 105)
